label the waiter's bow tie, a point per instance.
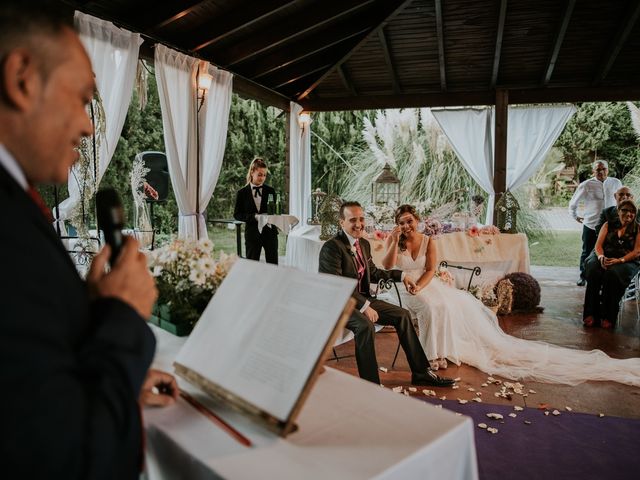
(257, 191)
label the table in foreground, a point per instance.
(348, 428)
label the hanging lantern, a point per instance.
(385, 189)
(507, 212)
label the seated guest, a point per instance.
(610, 214)
(349, 255)
(611, 267)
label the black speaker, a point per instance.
(158, 175)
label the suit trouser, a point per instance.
(364, 331)
(589, 238)
(255, 241)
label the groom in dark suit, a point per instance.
(73, 353)
(349, 255)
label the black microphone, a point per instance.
(110, 220)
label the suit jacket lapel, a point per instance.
(345, 240)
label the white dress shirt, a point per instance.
(596, 196)
(11, 165)
(257, 199)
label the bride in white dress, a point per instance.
(454, 325)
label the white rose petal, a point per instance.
(455, 387)
(384, 369)
(397, 389)
(495, 416)
(471, 389)
(492, 430)
(482, 425)
(513, 415)
(568, 409)
(556, 413)
(462, 402)
(601, 415)
(476, 399)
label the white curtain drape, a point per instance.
(470, 133)
(300, 161)
(176, 78)
(114, 56)
(531, 133)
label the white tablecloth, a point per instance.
(283, 222)
(496, 255)
(348, 428)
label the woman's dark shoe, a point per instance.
(606, 324)
(588, 321)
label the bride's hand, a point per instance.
(395, 234)
(409, 284)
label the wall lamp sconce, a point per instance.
(203, 82)
(304, 120)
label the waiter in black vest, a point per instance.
(253, 199)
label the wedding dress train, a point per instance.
(453, 324)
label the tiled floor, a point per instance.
(560, 324)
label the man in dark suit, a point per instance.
(246, 208)
(610, 214)
(349, 255)
(73, 354)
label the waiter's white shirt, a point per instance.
(596, 196)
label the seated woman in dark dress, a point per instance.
(611, 267)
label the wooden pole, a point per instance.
(500, 152)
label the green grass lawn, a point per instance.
(224, 239)
(561, 250)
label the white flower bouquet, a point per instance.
(187, 276)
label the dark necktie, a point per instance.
(359, 263)
(37, 199)
(257, 191)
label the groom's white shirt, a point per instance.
(11, 165)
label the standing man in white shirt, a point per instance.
(596, 193)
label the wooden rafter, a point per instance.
(440, 34)
(294, 53)
(346, 80)
(498, 49)
(562, 30)
(287, 30)
(236, 20)
(392, 9)
(389, 61)
(618, 42)
(185, 9)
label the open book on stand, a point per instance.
(261, 342)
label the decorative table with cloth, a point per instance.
(348, 428)
(496, 255)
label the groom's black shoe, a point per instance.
(431, 379)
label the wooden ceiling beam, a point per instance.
(440, 35)
(234, 21)
(186, 8)
(630, 18)
(301, 50)
(395, 84)
(562, 30)
(498, 49)
(312, 63)
(346, 80)
(387, 12)
(457, 99)
(285, 31)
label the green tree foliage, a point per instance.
(599, 130)
(254, 131)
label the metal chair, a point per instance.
(631, 293)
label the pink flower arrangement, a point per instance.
(445, 276)
(473, 231)
(380, 235)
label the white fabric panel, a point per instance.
(470, 133)
(300, 172)
(114, 56)
(176, 77)
(532, 131)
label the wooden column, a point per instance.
(287, 164)
(500, 147)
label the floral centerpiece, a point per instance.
(187, 276)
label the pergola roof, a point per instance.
(359, 54)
